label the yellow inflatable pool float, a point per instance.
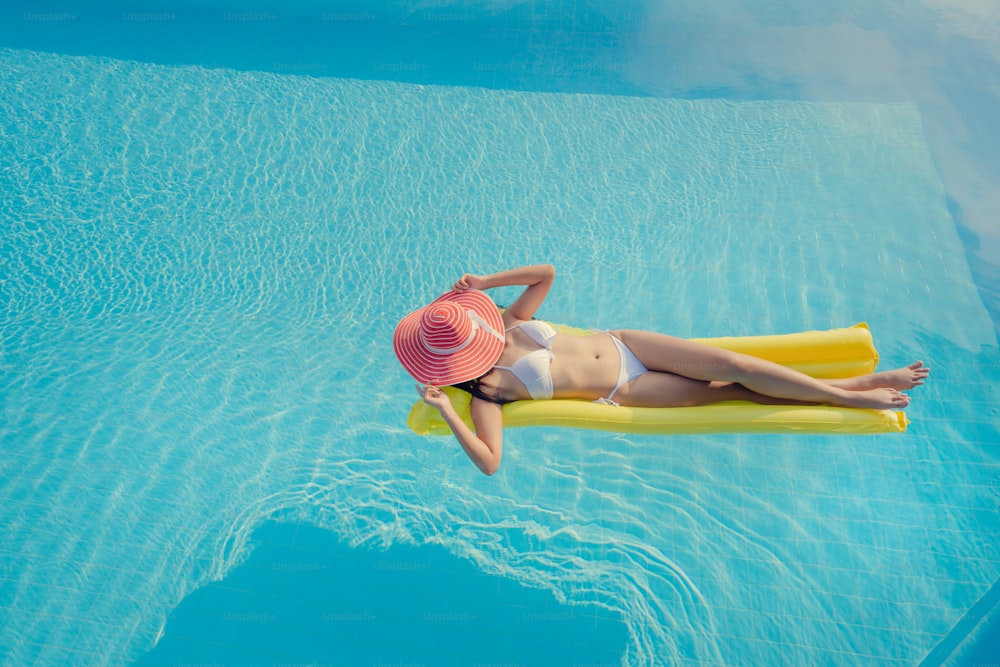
(836, 353)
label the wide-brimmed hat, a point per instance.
(457, 337)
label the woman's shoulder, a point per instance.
(509, 320)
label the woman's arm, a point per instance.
(537, 278)
(485, 445)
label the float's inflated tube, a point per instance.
(837, 353)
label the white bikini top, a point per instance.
(534, 369)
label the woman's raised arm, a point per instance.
(538, 280)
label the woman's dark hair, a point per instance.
(476, 388)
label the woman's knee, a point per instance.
(714, 364)
(735, 367)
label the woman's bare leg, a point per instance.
(698, 361)
(667, 390)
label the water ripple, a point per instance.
(201, 271)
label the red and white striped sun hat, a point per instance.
(457, 337)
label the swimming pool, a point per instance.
(204, 451)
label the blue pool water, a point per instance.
(204, 252)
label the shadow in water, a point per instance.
(305, 597)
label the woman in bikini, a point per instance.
(462, 339)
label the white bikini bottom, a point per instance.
(630, 369)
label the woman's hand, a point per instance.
(469, 281)
(433, 396)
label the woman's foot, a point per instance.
(903, 378)
(900, 379)
(882, 398)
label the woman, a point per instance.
(462, 339)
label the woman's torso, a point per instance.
(584, 367)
